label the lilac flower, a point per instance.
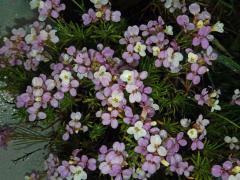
(179, 166)
(201, 38)
(183, 20)
(129, 117)
(103, 76)
(203, 97)
(89, 17)
(151, 164)
(194, 8)
(130, 56)
(112, 160)
(197, 71)
(110, 119)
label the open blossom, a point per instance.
(155, 146)
(103, 76)
(78, 173)
(130, 56)
(197, 71)
(192, 58)
(65, 76)
(140, 49)
(135, 95)
(138, 131)
(192, 133)
(127, 76)
(173, 59)
(233, 142)
(99, 3)
(116, 98)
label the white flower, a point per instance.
(37, 82)
(185, 122)
(78, 173)
(76, 116)
(127, 76)
(192, 58)
(65, 76)
(31, 37)
(215, 106)
(155, 50)
(137, 130)
(174, 57)
(140, 49)
(34, 4)
(43, 35)
(192, 133)
(218, 27)
(99, 3)
(155, 146)
(232, 141)
(116, 98)
(103, 76)
(53, 37)
(237, 92)
(234, 177)
(153, 105)
(50, 84)
(169, 30)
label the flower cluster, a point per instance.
(121, 96)
(48, 8)
(211, 99)
(74, 126)
(198, 132)
(103, 12)
(74, 168)
(230, 170)
(27, 46)
(173, 5)
(113, 161)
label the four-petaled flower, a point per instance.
(155, 146)
(138, 131)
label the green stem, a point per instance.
(226, 119)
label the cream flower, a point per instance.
(127, 76)
(65, 76)
(192, 133)
(192, 58)
(169, 30)
(137, 130)
(155, 50)
(140, 49)
(78, 173)
(218, 27)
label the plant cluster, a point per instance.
(120, 101)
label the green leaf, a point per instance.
(229, 63)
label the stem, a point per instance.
(226, 119)
(75, 2)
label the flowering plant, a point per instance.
(114, 99)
